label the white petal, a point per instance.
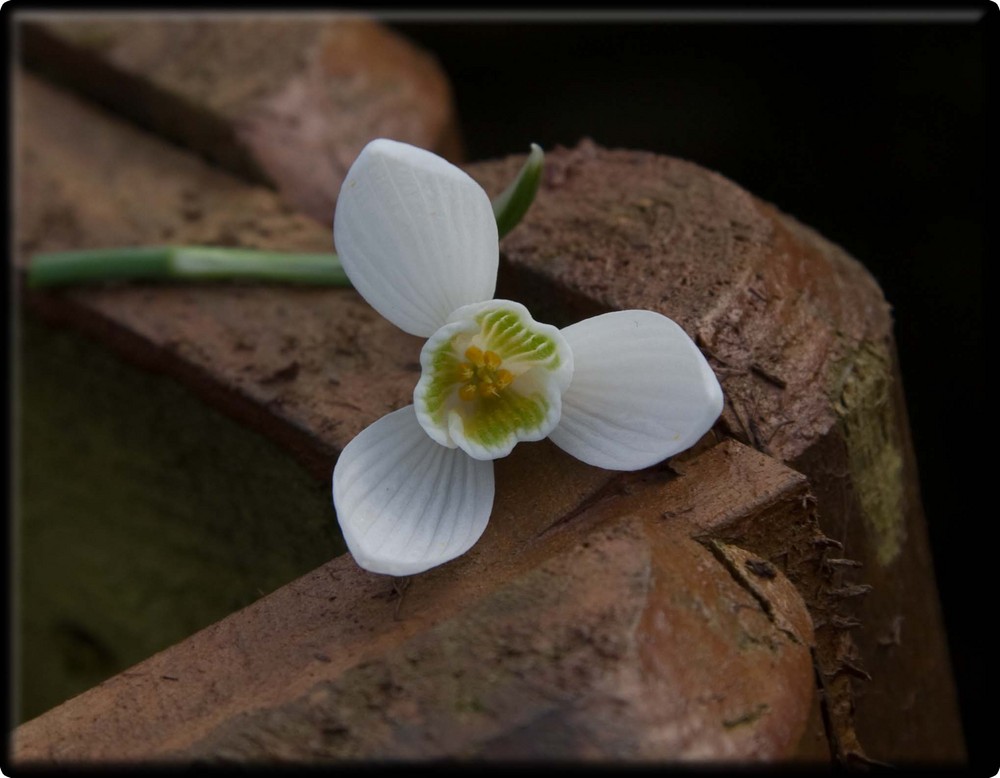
(641, 391)
(405, 503)
(416, 235)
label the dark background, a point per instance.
(872, 133)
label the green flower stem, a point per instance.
(205, 263)
(184, 263)
(510, 205)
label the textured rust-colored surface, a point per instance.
(774, 305)
(897, 627)
(801, 338)
(310, 367)
(289, 101)
(609, 629)
(797, 331)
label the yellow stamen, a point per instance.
(475, 356)
(482, 375)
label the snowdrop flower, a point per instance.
(623, 391)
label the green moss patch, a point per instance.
(142, 515)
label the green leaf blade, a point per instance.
(513, 203)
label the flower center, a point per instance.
(492, 376)
(482, 375)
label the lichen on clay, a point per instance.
(861, 398)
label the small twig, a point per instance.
(849, 668)
(839, 562)
(739, 418)
(845, 622)
(758, 441)
(855, 590)
(768, 376)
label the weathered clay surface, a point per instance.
(289, 101)
(790, 322)
(607, 631)
(801, 338)
(779, 311)
(311, 367)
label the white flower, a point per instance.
(623, 391)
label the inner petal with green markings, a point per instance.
(492, 376)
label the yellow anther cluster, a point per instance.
(482, 374)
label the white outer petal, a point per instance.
(641, 391)
(415, 234)
(405, 503)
